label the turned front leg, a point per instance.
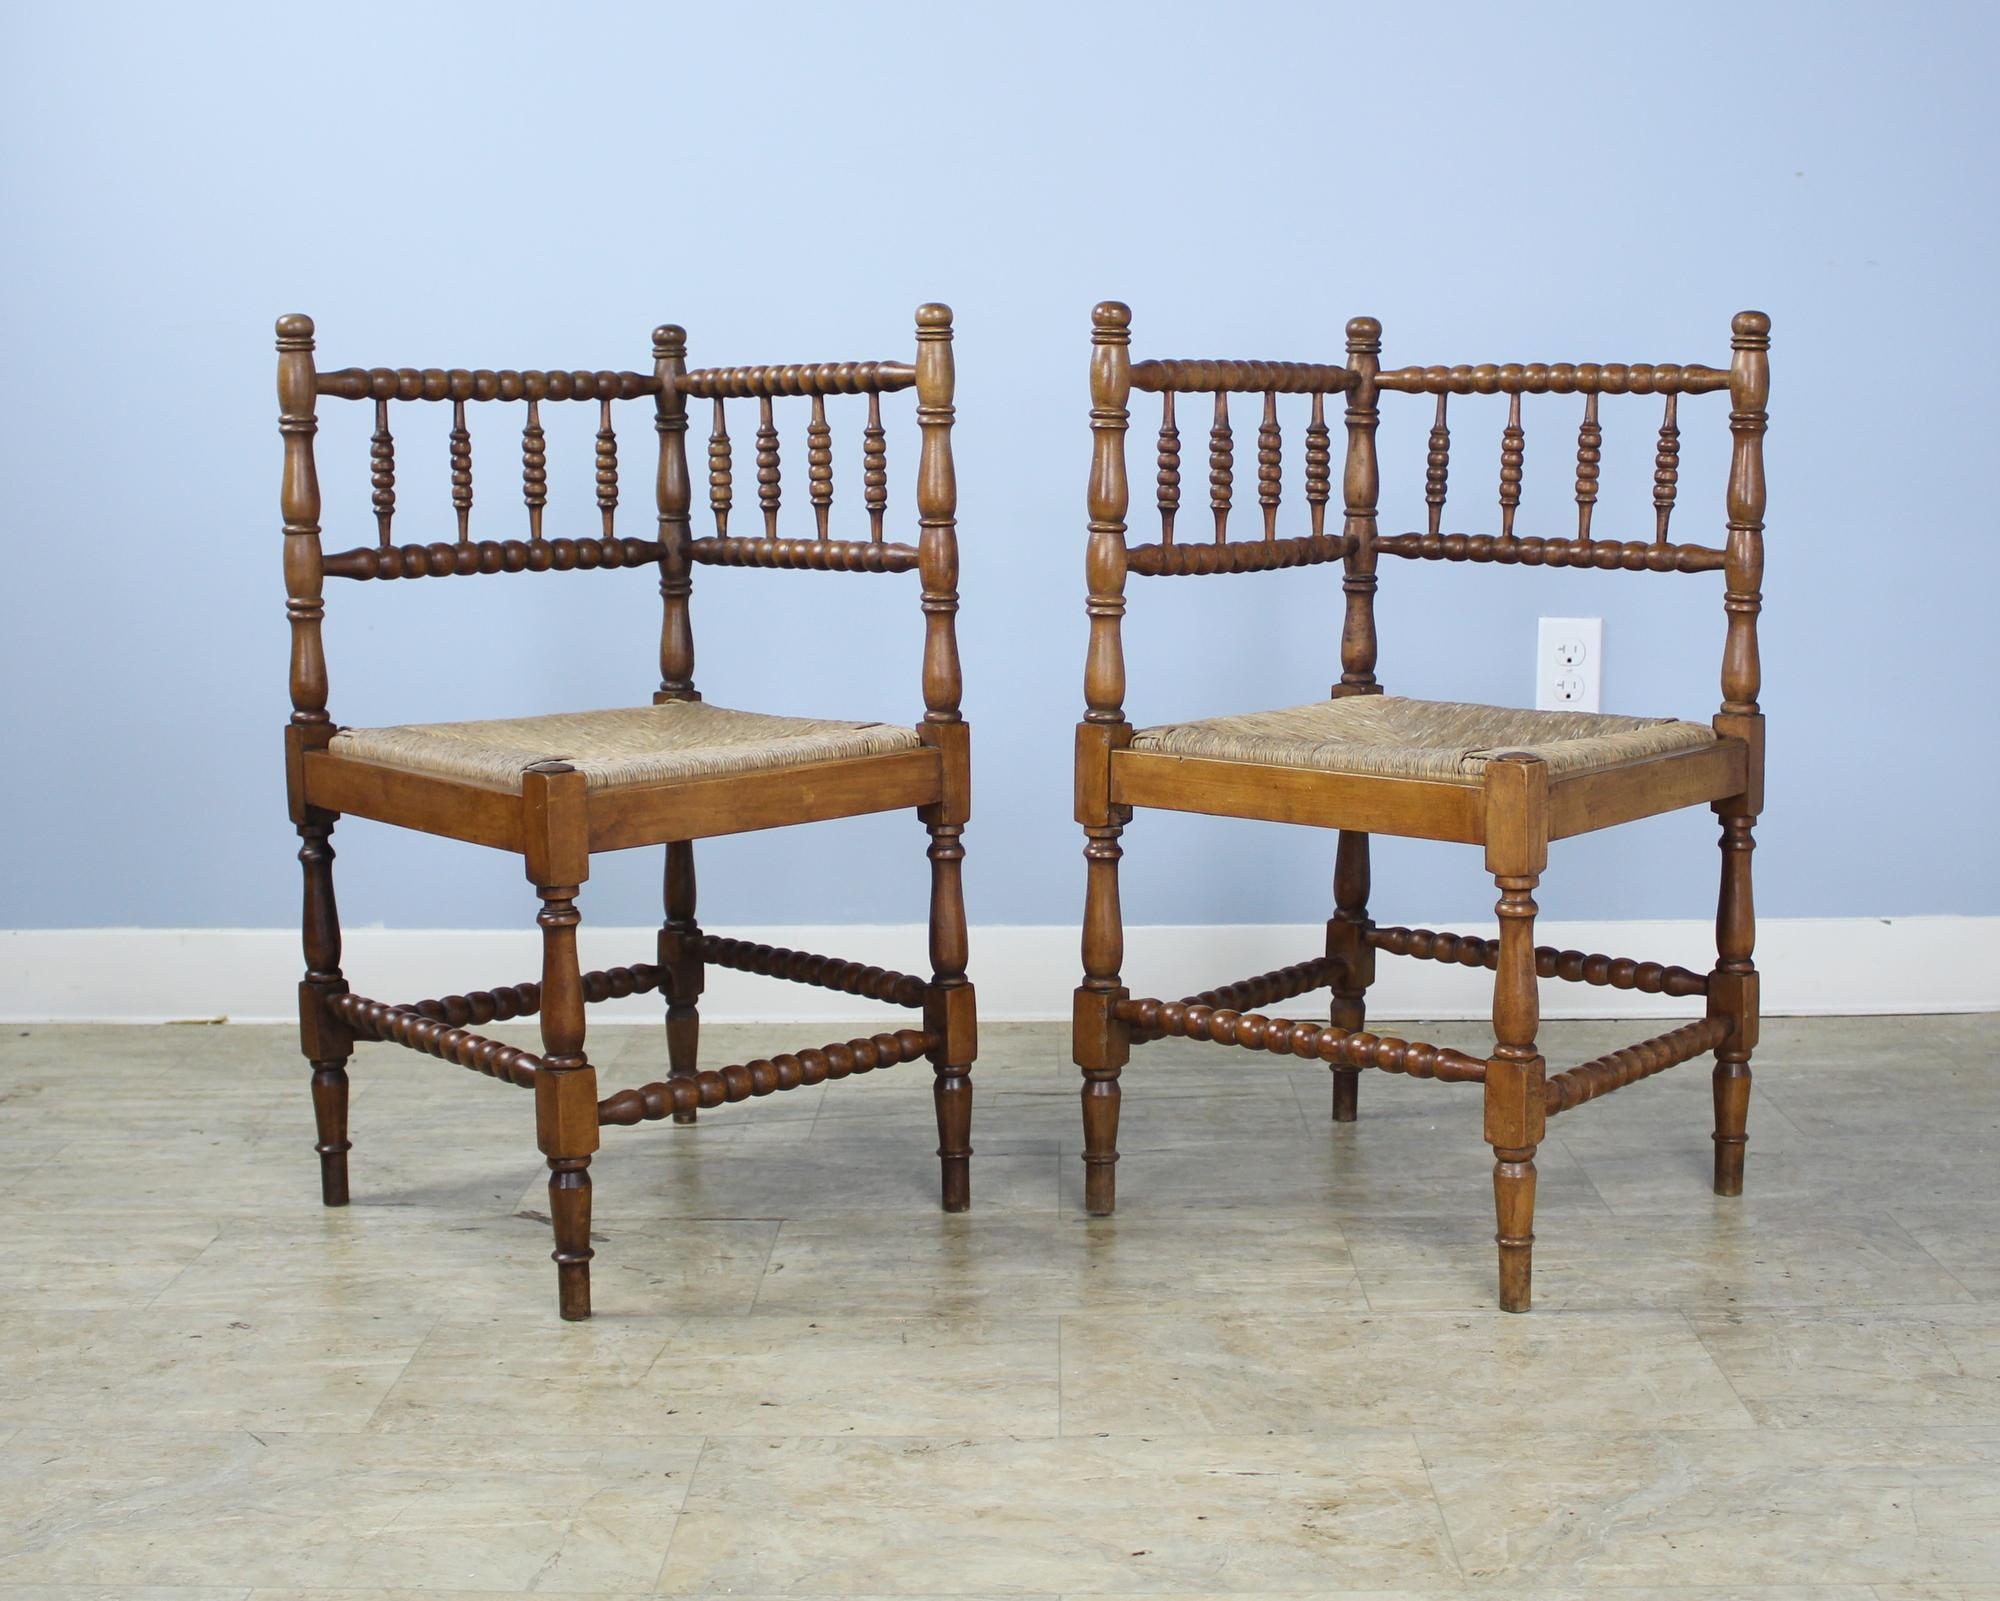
(1353, 959)
(1732, 993)
(1516, 1109)
(1101, 1044)
(950, 1018)
(324, 1038)
(681, 967)
(558, 861)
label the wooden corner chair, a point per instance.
(1363, 763)
(555, 790)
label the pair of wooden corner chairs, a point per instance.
(557, 789)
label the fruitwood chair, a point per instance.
(557, 789)
(1364, 763)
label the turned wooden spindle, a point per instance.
(682, 968)
(1589, 452)
(1319, 466)
(1361, 485)
(1437, 469)
(298, 499)
(721, 491)
(1221, 466)
(673, 495)
(937, 515)
(1169, 479)
(534, 469)
(1270, 464)
(1666, 470)
(461, 471)
(1513, 448)
(382, 473)
(819, 463)
(874, 467)
(607, 468)
(769, 489)
(1351, 958)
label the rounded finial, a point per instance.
(1364, 333)
(670, 339)
(1751, 325)
(1111, 314)
(934, 314)
(295, 325)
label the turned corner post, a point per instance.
(1101, 1043)
(1352, 958)
(674, 493)
(949, 1006)
(325, 1040)
(682, 970)
(937, 513)
(1517, 853)
(1361, 488)
(299, 505)
(1733, 986)
(556, 829)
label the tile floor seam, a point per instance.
(1444, 1523)
(680, 1511)
(1750, 1418)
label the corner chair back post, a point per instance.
(937, 512)
(674, 495)
(310, 727)
(1361, 489)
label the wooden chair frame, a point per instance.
(1514, 814)
(556, 824)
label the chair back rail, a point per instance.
(1362, 380)
(674, 549)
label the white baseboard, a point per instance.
(1811, 966)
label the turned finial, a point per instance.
(295, 331)
(669, 342)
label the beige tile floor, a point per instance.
(1278, 1372)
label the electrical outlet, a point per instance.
(1569, 664)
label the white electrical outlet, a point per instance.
(1569, 664)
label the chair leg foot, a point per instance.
(329, 1093)
(952, 1091)
(569, 1209)
(683, 1049)
(1732, 1117)
(1100, 1144)
(1514, 1205)
(1346, 1090)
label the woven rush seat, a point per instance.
(673, 741)
(1443, 741)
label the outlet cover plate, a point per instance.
(1569, 664)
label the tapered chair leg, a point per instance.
(1101, 1044)
(566, 1099)
(682, 968)
(1515, 1109)
(1732, 993)
(950, 1017)
(325, 1040)
(1353, 960)
(1516, 1104)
